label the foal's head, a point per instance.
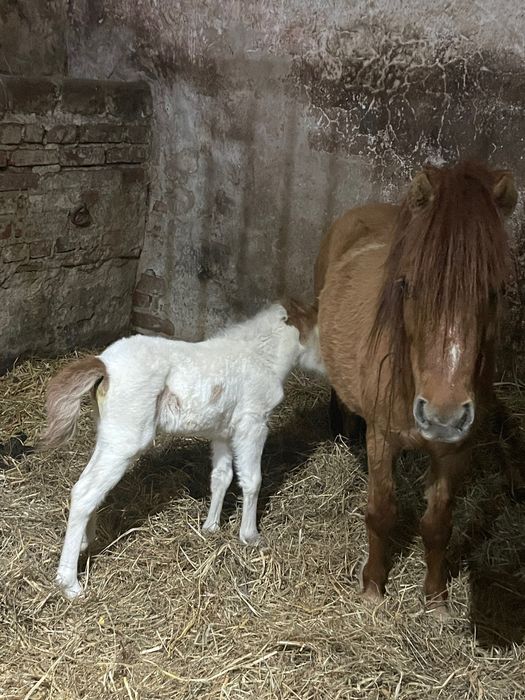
(440, 301)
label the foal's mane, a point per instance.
(451, 256)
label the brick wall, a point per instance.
(73, 202)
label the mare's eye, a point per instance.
(403, 286)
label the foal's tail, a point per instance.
(63, 399)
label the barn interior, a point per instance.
(166, 167)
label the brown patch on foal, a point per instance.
(216, 393)
(167, 399)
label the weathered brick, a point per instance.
(126, 154)
(3, 159)
(10, 229)
(15, 252)
(65, 244)
(82, 155)
(129, 100)
(62, 133)
(40, 249)
(33, 266)
(102, 133)
(6, 229)
(149, 283)
(10, 133)
(137, 134)
(33, 156)
(83, 96)
(149, 322)
(46, 169)
(33, 133)
(132, 175)
(30, 95)
(10, 180)
(142, 300)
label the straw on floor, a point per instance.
(172, 614)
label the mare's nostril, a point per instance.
(419, 410)
(467, 418)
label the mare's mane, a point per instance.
(451, 256)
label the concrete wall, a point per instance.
(33, 37)
(270, 119)
(73, 203)
(273, 118)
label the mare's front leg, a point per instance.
(380, 515)
(447, 472)
(248, 443)
(221, 477)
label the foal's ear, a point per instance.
(504, 191)
(421, 191)
(303, 318)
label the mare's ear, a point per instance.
(504, 191)
(421, 191)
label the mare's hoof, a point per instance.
(439, 611)
(372, 595)
(518, 494)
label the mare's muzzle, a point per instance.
(443, 425)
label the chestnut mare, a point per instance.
(409, 299)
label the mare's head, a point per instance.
(442, 292)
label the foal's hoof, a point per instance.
(72, 590)
(254, 540)
(210, 528)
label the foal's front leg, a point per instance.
(447, 473)
(248, 444)
(380, 516)
(221, 477)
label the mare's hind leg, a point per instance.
(345, 423)
(447, 474)
(380, 516)
(508, 431)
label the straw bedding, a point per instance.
(172, 614)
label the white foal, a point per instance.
(223, 389)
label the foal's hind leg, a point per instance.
(221, 477)
(102, 473)
(447, 474)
